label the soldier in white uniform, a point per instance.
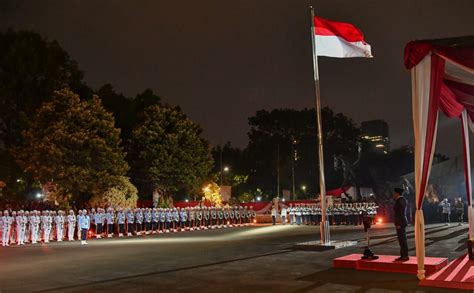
(47, 222)
(291, 214)
(99, 222)
(220, 217)
(154, 220)
(20, 227)
(79, 214)
(283, 215)
(192, 218)
(110, 218)
(162, 214)
(71, 225)
(26, 220)
(148, 219)
(6, 226)
(59, 220)
(130, 222)
(121, 222)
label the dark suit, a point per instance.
(401, 222)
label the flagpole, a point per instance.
(324, 227)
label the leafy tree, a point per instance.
(31, 68)
(283, 140)
(74, 145)
(212, 194)
(122, 194)
(167, 153)
(126, 110)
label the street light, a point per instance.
(226, 169)
(303, 187)
(259, 198)
(39, 195)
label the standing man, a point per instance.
(459, 210)
(85, 224)
(110, 217)
(401, 222)
(20, 228)
(446, 211)
(130, 222)
(283, 215)
(6, 226)
(59, 221)
(121, 222)
(274, 215)
(71, 225)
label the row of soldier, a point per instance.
(35, 226)
(338, 214)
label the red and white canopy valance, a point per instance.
(442, 78)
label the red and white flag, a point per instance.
(339, 39)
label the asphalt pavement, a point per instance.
(240, 259)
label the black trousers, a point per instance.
(110, 229)
(130, 228)
(99, 229)
(402, 240)
(121, 228)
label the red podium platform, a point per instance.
(459, 274)
(387, 263)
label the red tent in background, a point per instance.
(442, 78)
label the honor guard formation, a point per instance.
(338, 214)
(21, 227)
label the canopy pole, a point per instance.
(467, 169)
(324, 227)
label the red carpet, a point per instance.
(459, 274)
(386, 263)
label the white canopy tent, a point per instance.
(442, 74)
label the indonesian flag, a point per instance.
(339, 39)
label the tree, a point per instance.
(167, 153)
(212, 194)
(31, 68)
(285, 140)
(126, 110)
(122, 194)
(73, 144)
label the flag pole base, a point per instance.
(318, 246)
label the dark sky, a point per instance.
(223, 60)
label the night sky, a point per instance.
(223, 60)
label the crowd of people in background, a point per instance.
(21, 227)
(457, 209)
(338, 214)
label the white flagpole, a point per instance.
(324, 227)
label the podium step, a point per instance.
(387, 263)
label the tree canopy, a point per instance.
(73, 144)
(282, 139)
(167, 152)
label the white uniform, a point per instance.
(20, 229)
(71, 225)
(6, 226)
(47, 223)
(59, 220)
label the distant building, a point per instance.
(376, 133)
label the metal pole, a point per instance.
(324, 228)
(278, 170)
(222, 176)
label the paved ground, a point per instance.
(251, 259)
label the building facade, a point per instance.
(376, 134)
